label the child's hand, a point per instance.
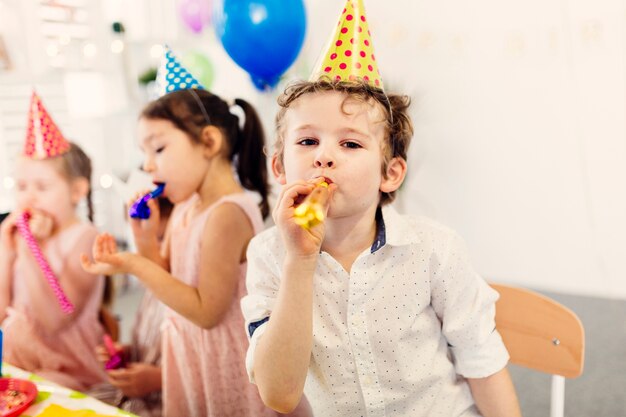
(41, 225)
(146, 231)
(298, 240)
(107, 260)
(8, 231)
(102, 354)
(137, 380)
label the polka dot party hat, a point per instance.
(350, 53)
(43, 137)
(172, 76)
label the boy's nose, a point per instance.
(323, 163)
(324, 159)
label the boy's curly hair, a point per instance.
(398, 126)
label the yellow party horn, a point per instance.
(311, 212)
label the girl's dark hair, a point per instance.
(192, 110)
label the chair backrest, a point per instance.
(540, 333)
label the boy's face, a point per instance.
(329, 135)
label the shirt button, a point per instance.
(368, 380)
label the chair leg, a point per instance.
(557, 397)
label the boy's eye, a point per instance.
(351, 145)
(307, 141)
(159, 149)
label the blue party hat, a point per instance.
(172, 76)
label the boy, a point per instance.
(369, 313)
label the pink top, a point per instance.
(68, 355)
(204, 371)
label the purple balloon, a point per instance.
(195, 13)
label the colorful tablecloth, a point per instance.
(60, 398)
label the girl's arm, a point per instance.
(8, 254)
(224, 240)
(6, 270)
(222, 250)
(77, 284)
(495, 395)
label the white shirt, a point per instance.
(396, 335)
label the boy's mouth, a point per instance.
(323, 179)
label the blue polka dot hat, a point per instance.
(172, 76)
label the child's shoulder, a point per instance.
(77, 237)
(78, 230)
(267, 240)
(267, 248)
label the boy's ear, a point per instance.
(278, 170)
(213, 140)
(79, 189)
(396, 171)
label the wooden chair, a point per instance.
(541, 334)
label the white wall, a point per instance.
(520, 138)
(519, 110)
(520, 119)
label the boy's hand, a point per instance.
(146, 231)
(299, 241)
(106, 259)
(137, 380)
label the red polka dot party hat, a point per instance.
(350, 53)
(43, 137)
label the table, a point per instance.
(51, 393)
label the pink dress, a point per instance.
(204, 371)
(67, 356)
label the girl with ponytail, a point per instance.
(210, 156)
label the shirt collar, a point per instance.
(393, 229)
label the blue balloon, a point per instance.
(263, 37)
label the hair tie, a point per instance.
(236, 110)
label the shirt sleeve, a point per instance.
(465, 304)
(262, 282)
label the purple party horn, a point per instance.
(116, 357)
(140, 209)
